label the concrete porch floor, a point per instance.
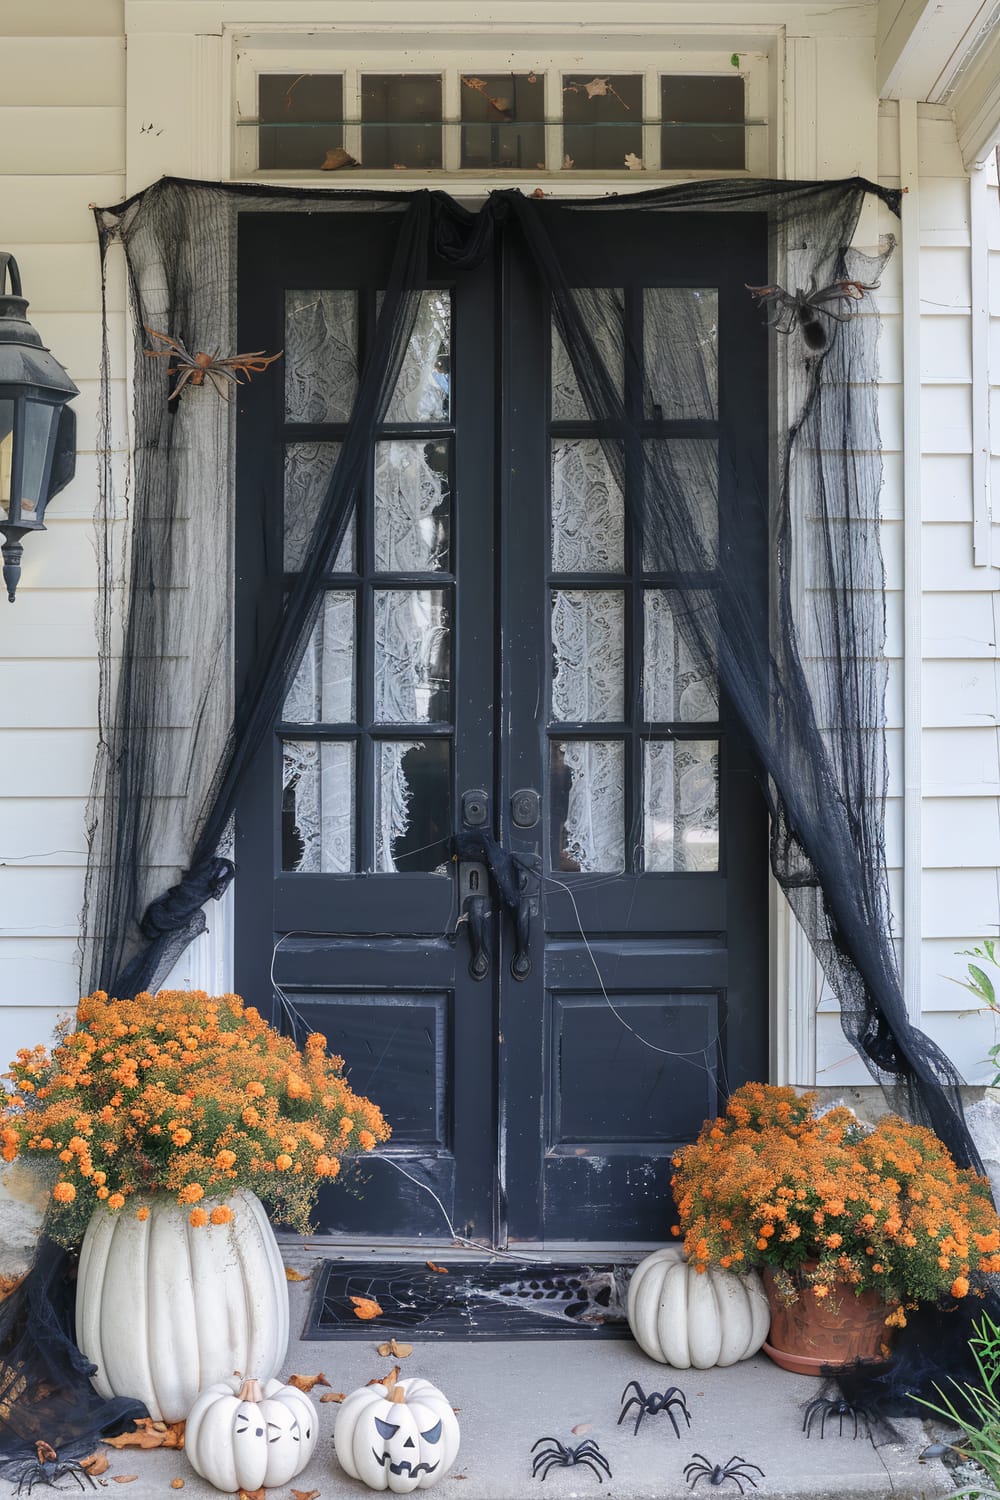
(509, 1394)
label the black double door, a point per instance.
(493, 656)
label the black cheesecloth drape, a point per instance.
(805, 670)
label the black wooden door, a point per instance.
(493, 652)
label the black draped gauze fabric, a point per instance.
(804, 669)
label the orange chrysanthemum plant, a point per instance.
(826, 1201)
(184, 1094)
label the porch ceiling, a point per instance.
(945, 54)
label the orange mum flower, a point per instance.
(198, 1218)
(64, 1192)
(221, 1214)
(142, 1214)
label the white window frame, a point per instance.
(353, 54)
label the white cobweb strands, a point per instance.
(801, 667)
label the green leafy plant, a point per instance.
(981, 1440)
(981, 985)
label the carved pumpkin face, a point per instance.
(398, 1438)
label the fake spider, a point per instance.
(824, 1407)
(46, 1468)
(654, 1403)
(223, 374)
(736, 1469)
(559, 1457)
(785, 310)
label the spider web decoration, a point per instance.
(474, 1300)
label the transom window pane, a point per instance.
(401, 120)
(300, 118)
(503, 117)
(602, 121)
(702, 121)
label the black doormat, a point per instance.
(471, 1300)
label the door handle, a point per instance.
(520, 964)
(477, 912)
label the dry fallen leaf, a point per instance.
(253, 1494)
(333, 1396)
(432, 1267)
(400, 1351)
(176, 1484)
(291, 1275)
(124, 1478)
(305, 1494)
(150, 1434)
(96, 1463)
(538, 193)
(633, 162)
(306, 1382)
(336, 158)
(366, 1308)
(9, 1284)
(581, 1428)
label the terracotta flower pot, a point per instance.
(813, 1334)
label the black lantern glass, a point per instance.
(37, 428)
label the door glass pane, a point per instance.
(680, 805)
(300, 118)
(602, 121)
(588, 511)
(588, 805)
(308, 467)
(321, 361)
(675, 686)
(412, 519)
(323, 688)
(601, 308)
(412, 656)
(687, 468)
(413, 820)
(423, 390)
(681, 350)
(317, 806)
(401, 120)
(503, 118)
(702, 122)
(588, 650)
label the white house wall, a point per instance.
(69, 128)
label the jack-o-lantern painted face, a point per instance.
(401, 1438)
(242, 1436)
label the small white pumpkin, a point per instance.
(398, 1437)
(241, 1435)
(683, 1318)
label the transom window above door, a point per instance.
(329, 109)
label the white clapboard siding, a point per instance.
(67, 71)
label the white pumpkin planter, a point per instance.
(682, 1318)
(401, 1438)
(164, 1309)
(241, 1435)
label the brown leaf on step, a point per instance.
(291, 1275)
(96, 1463)
(432, 1267)
(9, 1284)
(305, 1494)
(306, 1382)
(124, 1478)
(150, 1434)
(401, 1351)
(581, 1428)
(176, 1484)
(253, 1494)
(333, 1396)
(387, 1380)
(366, 1308)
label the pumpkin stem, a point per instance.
(397, 1395)
(251, 1390)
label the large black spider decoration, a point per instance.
(557, 1456)
(807, 309)
(654, 1403)
(736, 1469)
(45, 1468)
(824, 1407)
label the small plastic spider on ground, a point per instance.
(654, 1403)
(45, 1468)
(824, 1407)
(736, 1469)
(557, 1456)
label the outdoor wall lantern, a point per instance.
(37, 428)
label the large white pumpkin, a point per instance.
(163, 1309)
(682, 1318)
(241, 1435)
(402, 1437)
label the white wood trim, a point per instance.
(800, 134)
(796, 985)
(909, 170)
(979, 204)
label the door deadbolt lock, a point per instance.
(524, 806)
(475, 808)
